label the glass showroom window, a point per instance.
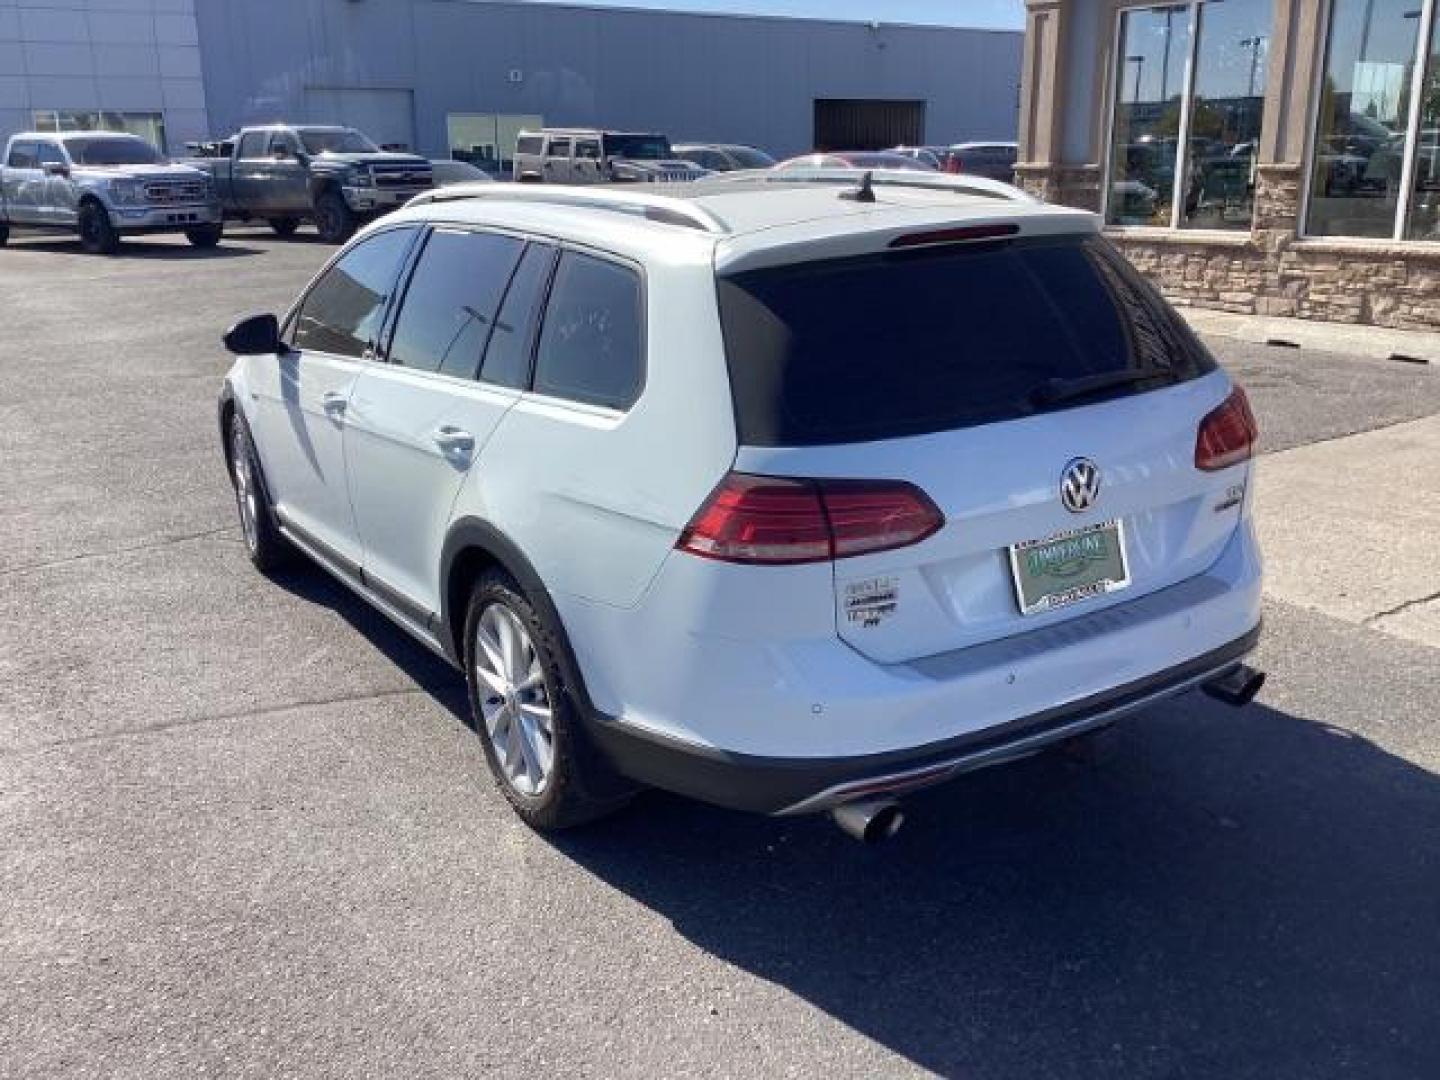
(1374, 171)
(150, 126)
(1189, 100)
(487, 140)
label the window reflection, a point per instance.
(1224, 132)
(1154, 49)
(1364, 110)
(1424, 223)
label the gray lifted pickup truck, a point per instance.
(288, 173)
(103, 185)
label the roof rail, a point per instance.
(630, 199)
(958, 183)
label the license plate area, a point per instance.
(1068, 567)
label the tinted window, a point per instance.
(507, 360)
(451, 301)
(284, 141)
(638, 147)
(590, 341)
(882, 346)
(559, 148)
(252, 144)
(342, 313)
(113, 151)
(750, 158)
(22, 156)
(589, 149)
(48, 154)
(528, 144)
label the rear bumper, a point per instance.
(776, 785)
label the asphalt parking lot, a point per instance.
(244, 830)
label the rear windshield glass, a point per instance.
(882, 346)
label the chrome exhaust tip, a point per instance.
(1238, 686)
(870, 821)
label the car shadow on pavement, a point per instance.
(137, 249)
(1225, 894)
(429, 672)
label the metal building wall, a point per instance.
(702, 77)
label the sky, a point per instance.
(1000, 14)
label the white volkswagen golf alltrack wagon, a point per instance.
(785, 492)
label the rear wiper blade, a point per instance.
(1054, 391)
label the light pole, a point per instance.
(1139, 62)
(1253, 44)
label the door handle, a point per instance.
(334, 403)
(454, 441)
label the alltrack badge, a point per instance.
(1080, 485)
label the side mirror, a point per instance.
(57, 168)
(259, 335)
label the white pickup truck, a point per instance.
(103, 186)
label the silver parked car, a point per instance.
(592, 156)
(102, 186)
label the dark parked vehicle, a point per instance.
(288, 173)
(993, 159)
(723, 157)
(856, 159)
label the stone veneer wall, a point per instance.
(1269, 270)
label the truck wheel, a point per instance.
(4, 235)
(205, 236)
(284, 226)
(97, 234)
(335, 221)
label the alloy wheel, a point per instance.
(246, 497)
(515, 703)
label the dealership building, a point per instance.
(1271, 157)
(461, 77)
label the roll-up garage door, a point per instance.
(856, 124)
(387, 116)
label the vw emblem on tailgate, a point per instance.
(1080, 485)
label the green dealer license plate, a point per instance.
(1069, 567)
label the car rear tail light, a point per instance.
(1227, 435)
(954, 165)
(779, 520)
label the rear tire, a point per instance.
(528, 717)
(335, 221)
(267, 548)
(284, 227)
(205, 236)
(4, 235)
(97, 234)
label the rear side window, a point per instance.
(451, 301)
(883, 346)
(343, 311)
(22, 156)
(559, 148)
(48, 154)
(590, 343)
(507, 359)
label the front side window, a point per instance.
(451, 301)
(342, 313)
(1194, 72)
(48, 154)
(252, 145)
(284, 145)
(591, 343)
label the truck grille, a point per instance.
(174, 192)
(674, 176)
(401, 176)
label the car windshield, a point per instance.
(906, 343)
(750, 158)
(113, 150)
(638, 147)
(336, 141)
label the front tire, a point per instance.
(527, 716)
(284, 227)
(98, 235)
(205, 236)
(268, 550)
(335, 221)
